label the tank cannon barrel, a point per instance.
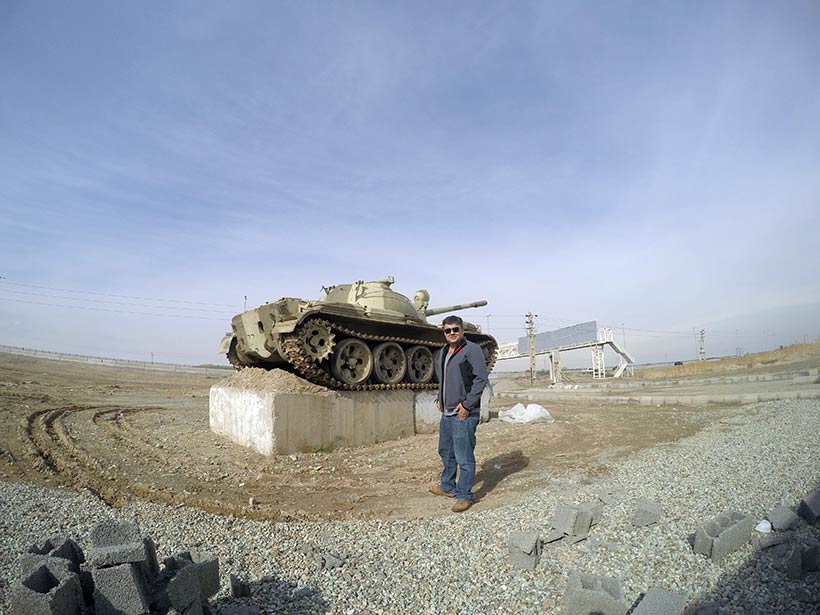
(453, 308)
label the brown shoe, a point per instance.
(438, 491)
(461, 506)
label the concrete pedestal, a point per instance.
(271, 423)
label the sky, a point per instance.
(654, 166)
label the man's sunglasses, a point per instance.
(450, 330)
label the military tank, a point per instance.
(359, 336)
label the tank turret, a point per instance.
(359, 336)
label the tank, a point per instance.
(359, 336)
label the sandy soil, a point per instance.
(126, 433)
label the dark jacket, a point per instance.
(466, 377)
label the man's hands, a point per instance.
(463, 413)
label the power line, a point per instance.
(89, 292)
(96, 309)
(160, 307)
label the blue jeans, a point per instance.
(456, 447)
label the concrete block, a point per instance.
(150, 567)
(66, 548)
(525, 549)
(42, 593)
(272, 423)
(594, 508)
(647, 512)
(239, 588)
(110, 533)
(811, 558)
(27, 561)
(207, 570)
(661, 602)
(60, 547)
(184, 591)
(589, 594)
(725, 533)
(563, 519)
(809, 507)
(767, 541)
(783, 518)
(133, 553)
(120, 590)
(116, 542)
(794, 562)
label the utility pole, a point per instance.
(530, 321)
(488, 322)
(702, 349)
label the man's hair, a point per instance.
(452, 319)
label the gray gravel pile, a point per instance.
(755, 459)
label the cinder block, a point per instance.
(794, 562)
(589, 594)
(783, 518)
(207, 570)
(66, 548)
(809, 507)
(239, 588)
(596, 509)
(41, 593)
(184, 591)
(110, 533)
(647, 512)
(120, 590)
(59, 547)
(811, 558)
(563, 519)
(114, 542)
(525, 549)
(767, 541)
(661, 602)
(150, 567)
(725, 533)
(573, 520)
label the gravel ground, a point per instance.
(757, 458)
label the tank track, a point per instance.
(312, 371)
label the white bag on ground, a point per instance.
(532, 413)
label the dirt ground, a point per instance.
(124, 433)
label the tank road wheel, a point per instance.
(317, 340)
(389, 363)
(352, 361)
(419, 364)
(436, 361)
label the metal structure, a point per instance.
(576, 337)
(530, 320)
(359, 336)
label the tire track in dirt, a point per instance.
(53, 452)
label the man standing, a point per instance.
(462, 374)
